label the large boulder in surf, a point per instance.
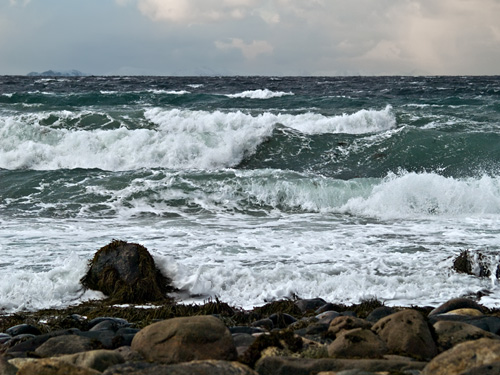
(126, 272)
(477, 263)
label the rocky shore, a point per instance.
(139, 330)
(285, 337)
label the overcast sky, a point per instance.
(251, 37)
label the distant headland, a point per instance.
(54, 73)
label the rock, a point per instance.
(465, 312)
(346, 323)
(476, 264)
(316, 328)
(358, 342)
(107, 321)
(4, 337)
(126, 272)
(128, 354)
(491, 369)
(407, 333)
(464, 357)
(282, 320)
(487, 323)
(327, 307)
(266, 324)
(98, 360)
(327, 317)
(379, 313)
(207, 367)
(456, 303)
(68, 344)
(185, 339)
(19, 349)
(23, 329)
(310, 304)
(6, 368)
(306, 366)
(451, 333)
(245, 329)
(53, 366)
(242, 341)
(108, 325)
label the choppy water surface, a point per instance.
(251, 188)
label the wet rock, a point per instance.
(451, 333)
(487, 323)
(126, 272)
(23, 329)
(456, 303)
(310, 304)
(185, 339)
(305, 366)
(465, 357)
(358, 342)
(476, 263)
(379, 313)
(68, 344)
(407, 333)
(346, 323)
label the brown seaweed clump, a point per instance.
(126, 272)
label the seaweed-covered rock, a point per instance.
(126, 272)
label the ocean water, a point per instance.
(251, 189)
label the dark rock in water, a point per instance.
(22, 329)
(476, 264)
(310, 304)
(455, 304)
(126, 272)
(379, 313)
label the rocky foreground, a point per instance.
(281, 338)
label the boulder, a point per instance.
(407, 333)
(126, 272)
(346, 323)
(6, 368)
(358, 342)
(488, 322)
(464, 357)
(476, 263)
(451, 333)
(185, 339)
(310, 304)
(456, 303)
(68, 344)
(307, 366)
(379, 313)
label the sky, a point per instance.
(251, 37)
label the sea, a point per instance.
(251, 189)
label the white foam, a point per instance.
(182, 139)
(260, 94)
(170, 92)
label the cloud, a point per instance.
(19, 2)
(249, 50)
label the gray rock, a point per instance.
(379, 313)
